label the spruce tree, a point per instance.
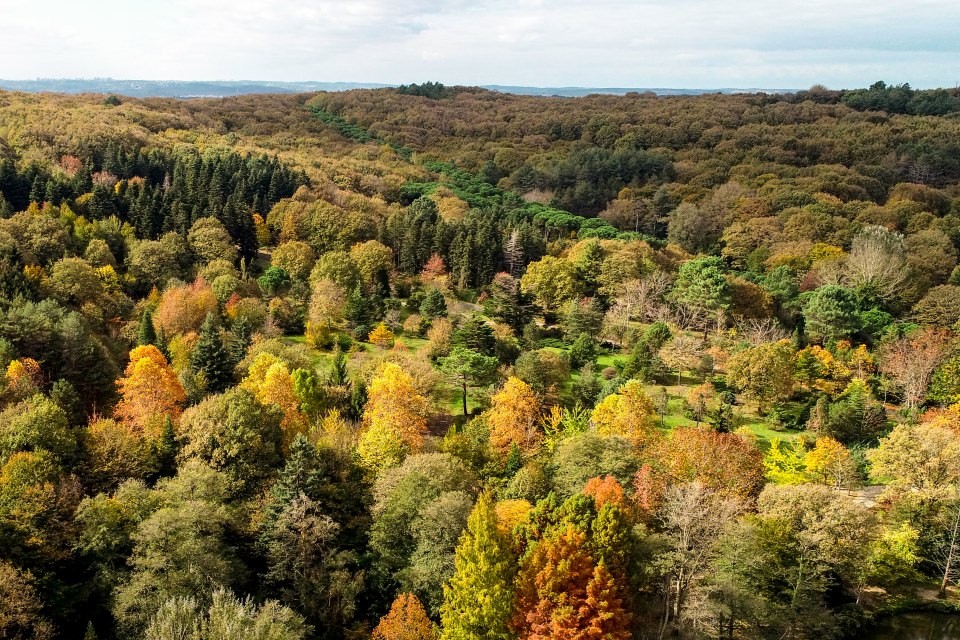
(147, 334)
(211, 358)
(478, 600)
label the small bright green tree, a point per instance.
(478, 600)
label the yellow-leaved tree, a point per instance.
(269, 379)
(627, 413)
(513, 417)
(407, 620)
(149, 391)
(394, 419)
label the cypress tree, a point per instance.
(211, 358)
(338, 369)
(478, 600)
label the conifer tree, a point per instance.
(147, 334)
(167, 450)
(606, 616)
(478, 600)
(210, 357)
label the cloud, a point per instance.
(691, 43)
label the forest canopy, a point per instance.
(443, 363)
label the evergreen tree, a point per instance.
(167, 450)
(478, 600)
(338, 369)
(211, 358)
(357, 310)
(433, 305)
(147, 334)
(241, 340)
(475, 334)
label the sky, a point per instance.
(775, 44)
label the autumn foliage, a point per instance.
(394, 418)
(183, 309)
(513, 418)
(604, 490)
(407, 620)
(149, 391)
(564, 595)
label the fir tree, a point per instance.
(433, 305)
(478, 600)
(210, 357)
(147, 334)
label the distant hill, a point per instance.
(219, 89)
(176, 88)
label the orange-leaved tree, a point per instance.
(183, 309)
(407, 620)
(563, 594)
(604, 490)
(723, 462)
(149, 391)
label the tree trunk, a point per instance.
(951, 552)
(464, 398)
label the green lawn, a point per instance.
(674, 417)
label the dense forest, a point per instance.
(440, 363)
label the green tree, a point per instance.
(210, 357)
(274, 281)
(433, 305)
(702, 288)
(227, 618)
(234, 433)
(831, 313)
(475, 334)
(763, 373)
(469, 369)
(478, 600)
(181, 549)
(146, 333)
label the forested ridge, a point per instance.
(439, 363)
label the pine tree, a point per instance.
(478, 600)
(147, 334)
(210, 357)
(241, 340)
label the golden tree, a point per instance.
(270, 381)
(394, 418)
(381, 337)
(407, 620)
(149, 391)
(627, 413)
(513, 418)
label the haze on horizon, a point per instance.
(622, 43)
